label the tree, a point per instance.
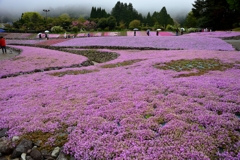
(102, 23)
(164, 18)
(134, 24)
(122, 25)
(93, 13)
(98, 13)
(57, 29)
(125, 12)
(64, 20)
(190, 21)
(111, 22)
(149, 20)
(31, 17)
(116, 12)
(75, 29)
(215, 14)
(89, 25)
(81, 19)
(234, 4)
(31, 20)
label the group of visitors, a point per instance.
(157, 32)
(181, 31)
(148, 32)
(40, 36)
(3, 44)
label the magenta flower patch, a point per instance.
(132, 110)
(169, 42)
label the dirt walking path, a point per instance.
(10, 54)
(234, 43)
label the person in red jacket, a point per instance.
(3, 44)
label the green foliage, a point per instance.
(111, 22)
(29, 21)
(106, 29)
(73, 72)
(196, 66)
(57, 29)
(156, 26)
(60, 137)
(216, 14)
(234, 4)
(102, 23)
(190, 21)
(135, 24)
(81, 20)
(122, 25)
(98, 13)
(192, 30)
(149, 20)
(120, 64)
(123, 33)
(236, 29)
(236, 25)
(65, 17)
(64, 20)
(162, 18)
(94, 55)
(75, 29)
(31, 17)
(121, 16)
(125, 12)
(170, 27)
(148, 115)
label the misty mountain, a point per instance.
(73, 11)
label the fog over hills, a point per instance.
(11, 10)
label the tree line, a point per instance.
(214, 14)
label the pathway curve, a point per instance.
(10, 54)
(235, 43)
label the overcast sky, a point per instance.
(173, 7)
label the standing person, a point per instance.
(134, 33)
(157, 33)
(182, 31)
(148, 31)
(40, 35)
(46, 36)
(177, 32)
(3, 44)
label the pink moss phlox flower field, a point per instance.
(151, 33)
(31, 41)
(110, 34)
(170, 42)
(217, 34)
(18, 35)
(54, 35)
(135, 111)
(38, 58)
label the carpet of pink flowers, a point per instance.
(129, 112)
(32, 58)
(167, 42)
